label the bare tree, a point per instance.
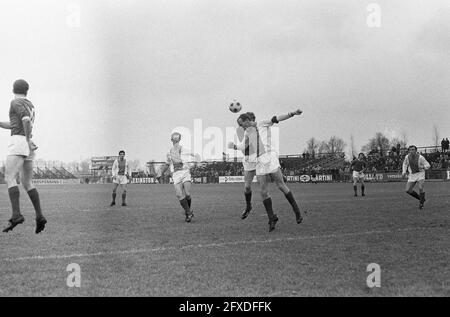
(395, 141)
(312, 146)
(336, 145)
(379, 142)
(324, 147)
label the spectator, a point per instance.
(443, 145)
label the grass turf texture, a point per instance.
(146, 249)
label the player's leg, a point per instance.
(267, 201)
(124, 188)
(248, 178)
(114, 194)
(187, 191)
(421, 184)
(410, 190)
(13, 166)
(363, 186)
(27, 183)
(181, 195)
(279, 181)
(355, 185)
(187, 185)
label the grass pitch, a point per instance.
(146, 249)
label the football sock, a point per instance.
(422, 197)
(415, 195)
(362, 189)
(114, 197)
(268, 206)
(14, 195)
(291, 199)
(355, 188)
(185, 206)
(124, 197)
(248, 200)
(189, 201)
(34, 197)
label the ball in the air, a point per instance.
(235, 107)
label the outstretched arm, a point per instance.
(287, 116)
(5, 125)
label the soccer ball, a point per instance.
(235, 107)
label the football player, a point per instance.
(21, 153)
(358, 167)
(259, 138)
(120, 174)
(415, 165)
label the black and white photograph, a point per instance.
(224, 153)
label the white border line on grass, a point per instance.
(210, 245)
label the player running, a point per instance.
(258, 136)
(358, 167)
(120, 174)
(415, 164)
(179, 160)
(21, 153)
(249, 163)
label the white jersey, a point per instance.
(422, 165)
(120, 168)
(179, 159)
(259, 144)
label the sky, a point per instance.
(113, 75)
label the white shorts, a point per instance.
(18, 146)
(121, 180)
(416, 177)
(267, 164)
(181, 177)
(358, 175)
(249, 166)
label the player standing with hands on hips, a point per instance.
(21, 153)
(120, 173)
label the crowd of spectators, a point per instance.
(376, 162)
(393, 160)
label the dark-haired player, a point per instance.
(358, 168)
(258, 136)
(120, 174)
(415, 164)
(21, 152)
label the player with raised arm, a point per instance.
(179, 161)
(249, 163)
(120, 174)
(21, 153)
(358, 167)
(258, 136)
(415, 165)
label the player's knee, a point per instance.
(27, 185)
(265, 194)
(247, 189)
(283, 188)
